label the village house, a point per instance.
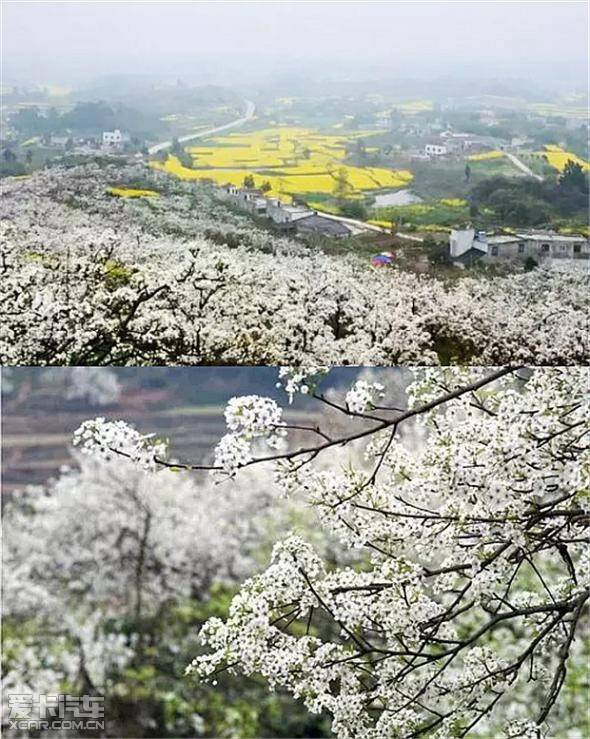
(453, 145)
(113, 139)
(280, 213)
(296, 218)
(228, 191)
(435, 150)
(471, 142)
(252, 200)
(246, 198)
(466, 246)
(544, 247)
(474, 144)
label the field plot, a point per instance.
(558, 157)
(130, 192)
(485, 156)
(290, 161)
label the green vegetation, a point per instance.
(151, 696)
(422, 214)
(527, 202)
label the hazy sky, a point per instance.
(69, 41)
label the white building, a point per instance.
(281, 213)
(435, 150)
(548, 245)
(545, 247)
(228, 191)
(245, 198)
(297, 218)
(112, 139)
(252, 200)
(466, 245)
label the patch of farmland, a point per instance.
(558, 157)
(291, 160)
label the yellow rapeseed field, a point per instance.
(293, 160)
(128, 192)
(485, 155)
(454, 202)
(558, 157)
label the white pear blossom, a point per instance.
(106, 544)
(232, 452)
(363, 395)
(250, 416)
(109, 438)
(300, 379)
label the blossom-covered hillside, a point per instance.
(177, 278)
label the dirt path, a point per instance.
(522, 166)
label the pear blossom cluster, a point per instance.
(363, 395)
(232, 452)
(524, 730)
(108, 439)
(300, 379)
(248, 417)
(465, 615)
(88, 279)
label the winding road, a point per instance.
(248, 115)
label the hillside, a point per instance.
(173, 276)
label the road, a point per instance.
(357, 226)
(248, 115)
(522, 166)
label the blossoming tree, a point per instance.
(465, 614)
(104, 571)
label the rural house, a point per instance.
(113, 139)
(545, 247)
(435, 150)
(298, 218)
(252, 200)
(280, 213)
(245, 198)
